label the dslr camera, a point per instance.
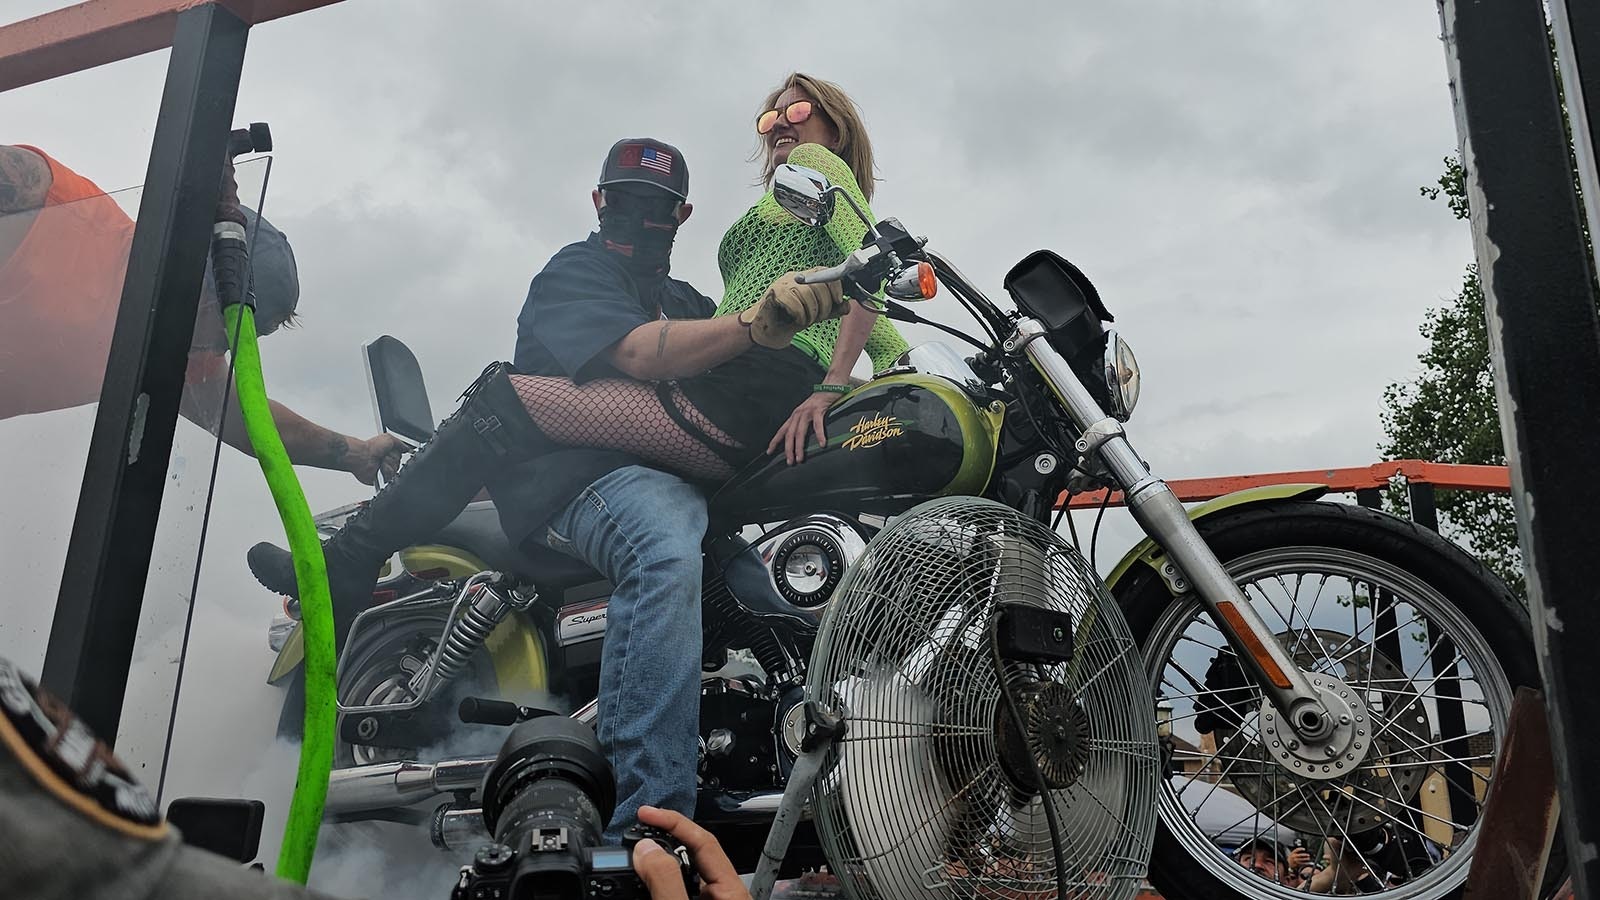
(546, 801)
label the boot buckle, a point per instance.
(493, 433)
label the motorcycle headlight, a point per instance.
(1122, 376)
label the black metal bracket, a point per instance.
(821, 726)
(108, 557)
(1544, 335)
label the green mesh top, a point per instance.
(766, 242)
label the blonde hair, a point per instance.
(830, 100)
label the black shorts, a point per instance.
(747, 398)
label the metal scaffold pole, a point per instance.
(1539, 287)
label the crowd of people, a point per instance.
(1339, 869)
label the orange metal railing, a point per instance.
(97, 32)
(1443, 476)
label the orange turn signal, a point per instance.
(926, 282)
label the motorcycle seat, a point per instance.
(477, 531)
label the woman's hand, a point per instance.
(806, 417)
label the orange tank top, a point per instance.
(59, 293)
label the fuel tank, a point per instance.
(892, 443)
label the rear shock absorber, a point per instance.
(485, 611)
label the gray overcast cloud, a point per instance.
(1239, 179)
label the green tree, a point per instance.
(1447, 413)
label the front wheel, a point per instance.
(1425, 646)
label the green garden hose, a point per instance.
(316, 609)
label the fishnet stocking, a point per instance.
(619, 414)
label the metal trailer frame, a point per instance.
(108, 557)
(1528, 232)
(1539, 287)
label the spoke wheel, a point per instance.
(1419, 643)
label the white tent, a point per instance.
(1217, 809)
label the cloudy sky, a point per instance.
(1239, 179)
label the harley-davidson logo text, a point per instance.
(872, 431)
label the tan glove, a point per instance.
(789, 307)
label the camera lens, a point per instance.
(550, 771)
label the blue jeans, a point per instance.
(642, 528)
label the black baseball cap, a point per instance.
(1264, 843)
(646, 161)
(274, 277)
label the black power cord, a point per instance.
(1038, 776)
(1094, 537)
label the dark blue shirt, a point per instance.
(579, 306)
(584, 302)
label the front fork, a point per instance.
(1162, 516)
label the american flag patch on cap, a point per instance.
(661, 161)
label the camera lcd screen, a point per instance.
(610, 859)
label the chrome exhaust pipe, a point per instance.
(458, 829)
(717, 807)
(390, 784)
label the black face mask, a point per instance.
(635, 234)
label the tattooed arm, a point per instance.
(678, 348)
(307, 443)
(24, 182)
(310, 444)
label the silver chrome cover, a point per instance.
(806, 557)
(581, 622)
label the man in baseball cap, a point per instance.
(604, 307)
(64, 247)
(1271, 860)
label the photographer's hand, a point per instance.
(660, 871)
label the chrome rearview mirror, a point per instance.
(805, 193)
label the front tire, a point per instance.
(1396, 599)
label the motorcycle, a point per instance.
(1340, 676)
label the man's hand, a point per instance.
(659, 870)
(1299, 863)
(808, 416)
(366, 459)
(789, 307)
(1299, 856)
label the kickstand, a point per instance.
(822, 729)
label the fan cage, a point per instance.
(914, 800)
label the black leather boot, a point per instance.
(490, 430)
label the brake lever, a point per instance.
(852, 264)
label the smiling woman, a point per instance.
(814, 123)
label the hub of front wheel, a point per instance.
(1344, 746)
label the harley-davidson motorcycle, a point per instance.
(1317, 672)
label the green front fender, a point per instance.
(1149, 553)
